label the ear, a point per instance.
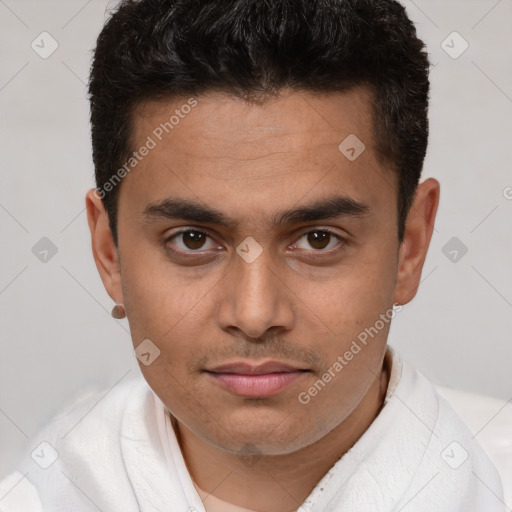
(104, 249)
(418, 232)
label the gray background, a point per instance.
(57, 336)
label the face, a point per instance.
(253, 254)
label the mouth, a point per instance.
(256, 380)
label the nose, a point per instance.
(255, 299)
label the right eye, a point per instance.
(190, 241)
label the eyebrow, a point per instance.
(184, 209)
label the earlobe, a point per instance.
(418, 233)
(103, 247)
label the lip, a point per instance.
(246, 368)
(256, 380)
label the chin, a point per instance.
(272, 434)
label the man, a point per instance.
(258, 218)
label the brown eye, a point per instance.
(190, 240)
(193, 239)
(319, 239)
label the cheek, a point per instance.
(352, 296)
(162, 300)
(172, 312)
(350, 304)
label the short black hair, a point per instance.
(154, 49)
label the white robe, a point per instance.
(121, 455)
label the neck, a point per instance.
(283, 482)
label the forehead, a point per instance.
(219, 118)
(222, 149)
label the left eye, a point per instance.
(319, 240)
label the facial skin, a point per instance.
(302, 301)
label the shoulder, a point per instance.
(489, 419)
(455, 466)
(84, 434)
(93, 410)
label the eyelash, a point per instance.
(316, 252)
